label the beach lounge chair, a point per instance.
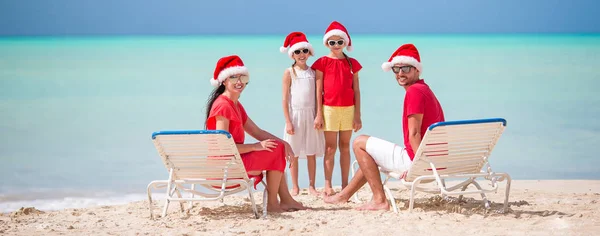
(208, 158)
(453, 150)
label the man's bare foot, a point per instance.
(371, 206)
(313, 191)
(328, 192)
(335, 199)
(295, 191)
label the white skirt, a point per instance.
(306, 140)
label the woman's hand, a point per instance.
(268, 145)
(357, 123)
(289, 128)
(318, 124)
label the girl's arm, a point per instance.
(356, 87)
(318, 124)
(287, 82)
(223, 124)
(319, 88)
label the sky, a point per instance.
(197, 17)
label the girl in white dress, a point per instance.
(299, 107)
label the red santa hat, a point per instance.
(228, 66)
(405, 54)
(337, 29)
(295, 41)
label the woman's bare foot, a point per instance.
(371, 206)
(328, 191)
(292, 206)
(313, 191)
(274, 208)
(335, 199)
(294, 191)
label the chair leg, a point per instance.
(164, 213)
(265, 197)
(391, 197)
(180, 202)
(411, 201)
(191, 204)
(252, 199)
(508, 180)
(486, 202)
(355, 164)
(462, 190)
(149, 192)
(413, 187)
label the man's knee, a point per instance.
(360, 142)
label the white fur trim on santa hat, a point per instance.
(300, 45)
(224, 74)
(283, 49)
(339, 33)
(387, 66)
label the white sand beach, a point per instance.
(546, 207)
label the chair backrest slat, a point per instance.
(456, 147)
(199, 154)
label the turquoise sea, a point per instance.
(76, 114)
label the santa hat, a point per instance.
(295, 41)
(227, 66)
(337, 29)
(405, 54)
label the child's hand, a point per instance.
(357, 123)
(289, 128)
(289, 154)
(319, 122)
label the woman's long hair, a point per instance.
(211, 99)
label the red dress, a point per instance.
(255, 160)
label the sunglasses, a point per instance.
(404, 69)
(332, 42)
(305, 51)
(242, 78)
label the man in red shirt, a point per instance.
(421, 109)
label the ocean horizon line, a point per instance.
(166, 36)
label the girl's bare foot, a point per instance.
(371, 206)
(295, 191)
(328, 191)
(335, 199)
(313, 191)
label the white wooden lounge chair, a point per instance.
(208, 158)
(453, 150)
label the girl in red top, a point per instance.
(338, 100)
(225, 112)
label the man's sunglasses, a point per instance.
(404, 69)
(242, 78)
(297, 52)
(332, 42)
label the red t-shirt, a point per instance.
(337, 80)
(223, 106)
(419, 99)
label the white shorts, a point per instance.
(387, 155)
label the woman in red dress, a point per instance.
(225, 112)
